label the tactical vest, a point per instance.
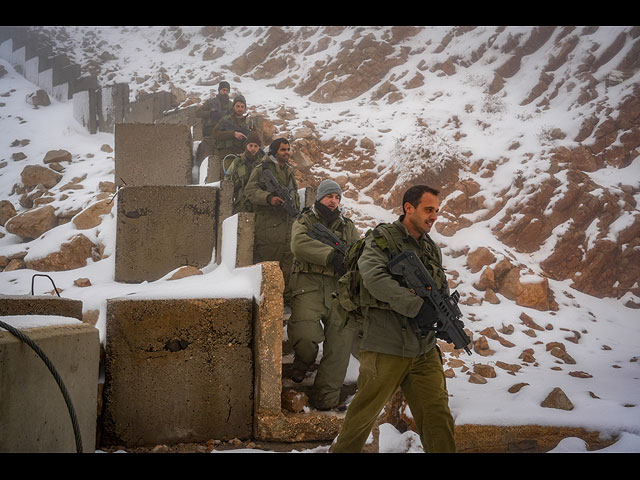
(352, 293)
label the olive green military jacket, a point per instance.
(212, 111)
(239, 172)
(224, 133)
(389, 307)
(314, 256)
(312, 269)
(256, 192)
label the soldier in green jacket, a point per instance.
(317, 267)
(273, 223)
(211, 112)
(240, 170)
(393, 353)
(230, 133)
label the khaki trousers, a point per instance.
(423, 384)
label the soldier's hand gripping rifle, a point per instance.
(320, 232)
(448, 315)
(273, 186)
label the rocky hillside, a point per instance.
(532, 134)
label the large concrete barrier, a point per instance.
(34, 417)
(178, 370)
(153, 154)
(161, 228)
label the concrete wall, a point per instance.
(161, 228)
(178, 371)
(153, 154)
(55, 74)
(33, 414)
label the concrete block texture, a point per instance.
(161, 228)
(177, 370)
(153, 154)
(40, 305)
(33, 414)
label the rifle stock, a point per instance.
(417, 277)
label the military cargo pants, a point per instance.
(423, 384)
(313, 323)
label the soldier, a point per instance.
(393, 352)
(241, 168)
(316, 270)
(274, 214)
(231, 132)
(211, 112)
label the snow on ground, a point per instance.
(607, 401)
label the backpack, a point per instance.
(349, 285)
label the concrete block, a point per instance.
(177, 370)
(267, 336)
(245, 239)
(40, 305)
(113, 104)
(151, 107)
(85, 109)
(33, 412)
(147, 154)
(160, 228)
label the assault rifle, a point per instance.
(274, 187)
(320, 232)
(417, 277)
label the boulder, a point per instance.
(33, 175)
(557, 399)
(92, 216)
(7, 211)
(38, 98)
(479, 258)
(57, 156)
(33, 223)
(72, 255)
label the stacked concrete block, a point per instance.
(40, 305)
(148, 154)
(33, 412)
(160, 228)
(178, 370)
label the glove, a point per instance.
(426, 317)
(337, 261)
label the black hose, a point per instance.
(65, 393)
(43, 275)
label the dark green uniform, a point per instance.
(392, 352)
(273, 224)
(225, 142)
(239, 172)
(211, 112)
(313, 281)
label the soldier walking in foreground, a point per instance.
(317, 266)
(393, 351)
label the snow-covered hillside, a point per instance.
(494, 117)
